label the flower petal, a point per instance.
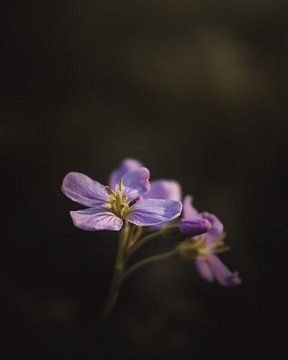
(223, 275)
(189, 211)
(154, 211)
(164, 189)
(80, 188)
(135, 183)
(96, 219)
(126, 166)
(204, 269)
(216, 230)
(194, 227)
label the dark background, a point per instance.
(196, 90)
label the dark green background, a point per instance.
(196, 90)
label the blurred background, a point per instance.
(196, 90)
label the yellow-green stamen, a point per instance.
(191, 249)
(118, 202)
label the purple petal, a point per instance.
(194, 227)
(223, 275)
(80, 188)
(189, 211)
(204, 269)
(216, 229)
(135, 183)
(150, 212)
(164, 189)
(96, 219)
(126, 166)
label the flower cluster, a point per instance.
(134, 206)
(204, 247)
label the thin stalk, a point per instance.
(149, 260)
(118, 273)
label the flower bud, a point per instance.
(194, 227)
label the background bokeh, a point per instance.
(196, 90)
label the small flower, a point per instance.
(204, 247)
(109, 206)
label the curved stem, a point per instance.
(143, 241)
(118, 273)
(149, 260)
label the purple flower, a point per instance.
(109, 206)
(208, 265)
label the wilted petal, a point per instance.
(154, 211)
(189, 212)
(80, 188)
(204, 269)
(126, 166)
(164, 189)
(136, 183)
(216, 229)
(223, 275)
(194, 227)
(96, 219)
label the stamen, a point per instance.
(121, 185)
(222, 249)
(109, 190)
(118, 203)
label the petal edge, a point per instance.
(136, 183)
(149, 212)
(96, 219)
(164, 189)
(126, 166)
(223, 275)
(83, 190)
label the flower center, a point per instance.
(204, 251)
(218, 247)
(118, 203)
(192, 248)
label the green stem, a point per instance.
(143, 241)
(118, 273)
(149, 260)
